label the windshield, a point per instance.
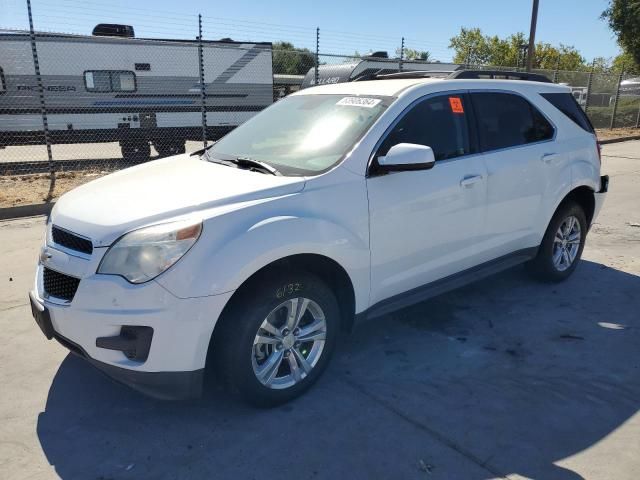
(302, 134)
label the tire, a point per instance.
(138, 151)
(250, 367)
(551, 264)
(167, 149)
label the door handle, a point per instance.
(470, 180)
(548, 157)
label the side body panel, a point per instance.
(238, 83)
(424, 224)
(329, 217)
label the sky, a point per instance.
(345, 27)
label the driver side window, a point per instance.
(438, 122)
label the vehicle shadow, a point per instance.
(506, 376)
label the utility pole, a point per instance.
(532, 36)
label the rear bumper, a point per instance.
(159, 385)
(600, 195)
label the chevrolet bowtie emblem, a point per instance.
(45, 256)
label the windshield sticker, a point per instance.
(359, 102)
(456, 105)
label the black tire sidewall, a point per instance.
(248, 314)
(544, 260)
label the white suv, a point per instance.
(335, 204)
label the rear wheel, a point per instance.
(167, 149)
(275, 343)
(136, 151)
(562, 244)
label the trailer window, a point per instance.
(109, 81)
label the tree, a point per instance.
(290, 60)
(472, 47)
(623, 17)
(417, 55)
(626, 62)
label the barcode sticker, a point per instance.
(359, 102)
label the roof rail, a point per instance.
(499, 75)
(415, 74)
(458, 74)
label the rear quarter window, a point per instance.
(566, 103)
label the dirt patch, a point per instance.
(608, 134)
(17, 190)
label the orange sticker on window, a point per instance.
(456, 105)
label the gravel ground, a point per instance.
(506, 378)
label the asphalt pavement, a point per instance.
(505, 378)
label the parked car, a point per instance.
(336, 204)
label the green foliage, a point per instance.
(290, 60)
(626, 115)
(626, 62)
(411, 54)
(472, 47)
(623, 17)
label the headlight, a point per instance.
(142, 255)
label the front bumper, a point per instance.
(104, 307)
(160, 385)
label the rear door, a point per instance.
(516, 141)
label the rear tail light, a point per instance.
(599, 148)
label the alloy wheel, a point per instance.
(566, 243)
(289, 343)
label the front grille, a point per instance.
(71, 240)
(59, 285)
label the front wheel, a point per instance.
(562, 244)
(276, 342)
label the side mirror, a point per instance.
(407, 156)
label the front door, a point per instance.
(424, 225)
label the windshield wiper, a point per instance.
(257, 164)
(244, 162)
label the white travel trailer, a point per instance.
(137, 92)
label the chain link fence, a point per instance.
(75, 107)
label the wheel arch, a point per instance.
(327, 269)
(584, 196)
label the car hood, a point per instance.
(108, 207)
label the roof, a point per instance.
(390, 88)
(394, 87)
(52, 36)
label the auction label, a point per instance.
(359, 102)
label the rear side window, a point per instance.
(566, 103)
(438, 122)
(507, 120)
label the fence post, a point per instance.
(203, 93)
(316, 73)
(43, 105)
(400, 64)
(555, 72)
(615, 100)
(589, 85)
